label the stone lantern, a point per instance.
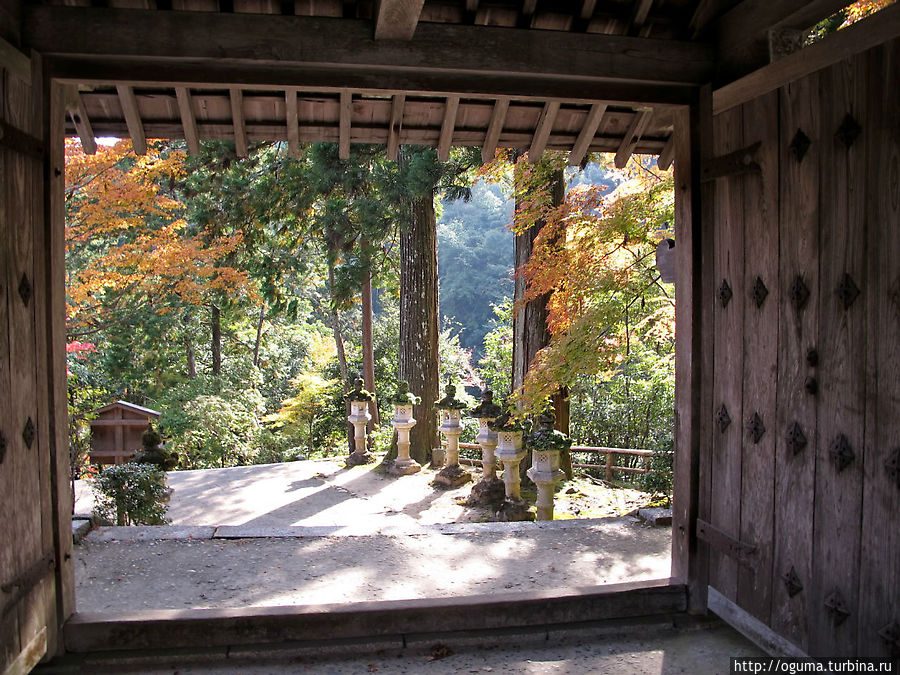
(546, 445)
(359, 417)
(403, 421)
(511, 451)
(490, 489)
(450, 409)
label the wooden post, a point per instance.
(610, 456)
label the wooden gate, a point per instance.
(799, 486)
(34, 526)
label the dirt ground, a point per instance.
(316, 532)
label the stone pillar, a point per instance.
(511, 452)
(545, 473)
(490, 489)
(403, 421)
(359, 417)
(452, 475)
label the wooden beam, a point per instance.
(188, 121)
(498, 116)
(14, 61)
(439, 57)
(292, 118)
(587, 9)
(397, 19)
(132, 118)
(447, 126)
(393, 143)
(76, 111)
(237, 120)
(742, 33)
(587, 133)
(639, 14)
(706, 12)
(344, 124)
(667, 156)
(542, 131)
(633, 136)
(862, 36)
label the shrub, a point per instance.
(132, 494)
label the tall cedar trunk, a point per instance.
(216, 322)
(530, 332)
(419, 322)
(259, 327)
(191, 359)
(341, 354)
(368, 349)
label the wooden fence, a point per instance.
(609, 467)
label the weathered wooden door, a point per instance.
(799, 473)
(30, 557)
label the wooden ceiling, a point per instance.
(575, 75)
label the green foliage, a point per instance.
(495, 367)
(131, 494)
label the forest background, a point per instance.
(229, 293)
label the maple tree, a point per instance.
(128, 245)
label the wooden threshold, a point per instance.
(246, 626)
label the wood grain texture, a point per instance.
(797, 334)
(292, 121)
(841, 346)
(397, 19)
(879, 576)
(346, 114)
(237, 117)
(725, 511)
(761, 229)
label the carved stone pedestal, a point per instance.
(545, 473)
(452, 475)
(490, 490)
(403, 421)
(359, 417)
(511, 453)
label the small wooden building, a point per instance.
(116, 432)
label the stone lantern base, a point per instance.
(452, 476)
(514, 510)
(487, 493)
(400, 467)
(359, 458)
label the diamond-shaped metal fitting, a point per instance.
(28, 433)
(837, 607)
(759, 292)
(792, 582)
(2, 447)
(891, 636)
(756, 428)
(796, 439)
(848, 291)
(25, 290)
(842, 454)
(725, 293)
(799, 293)
(892, 466)
(799, 145)
(723, 419)
(849, 131)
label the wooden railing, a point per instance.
(609, 467)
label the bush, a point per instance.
(132, 494)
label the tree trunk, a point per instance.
(419, 322)
(368, 350)
(341, 354)
(530, 332)
(259, 327)
(191, 358)
(216, 321)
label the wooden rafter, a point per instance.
(632, 136)
(393, 143)
(188, 121)
(668, 154)
(132, 115)
(587, 9)
(495, 126)
(344, 124)
(447, 126)
(292, 119)
(639, 14)
(76, 111)
(542, 131)
(587, 133)
(237, 117)
(397, 19)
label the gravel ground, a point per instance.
(113, 575)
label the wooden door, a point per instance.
(36, 549)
